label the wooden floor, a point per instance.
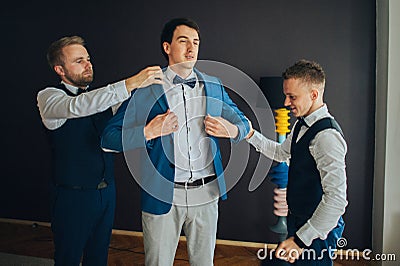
(126, 248)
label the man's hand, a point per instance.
(288, 250)
(161, 125)
(220, 127)
(148, 76)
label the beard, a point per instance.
(80, 80)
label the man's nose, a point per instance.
(190, 46)
(287, 101)
(88, 64)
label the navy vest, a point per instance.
(304, 189)
(78, 159)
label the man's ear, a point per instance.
(314, 94)
(59, 70)
(166, 47)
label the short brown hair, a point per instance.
(54, 53)
(308, 71)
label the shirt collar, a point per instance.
(316, 115)
(71, 88)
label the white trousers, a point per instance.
(195, 210)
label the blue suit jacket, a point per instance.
(157, 170)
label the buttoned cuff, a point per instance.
(307, 234)
(255, 140)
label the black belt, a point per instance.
(197, 183)
(101, 185)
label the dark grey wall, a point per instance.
(260, 38)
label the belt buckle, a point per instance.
(194, 186)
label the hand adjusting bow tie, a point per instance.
(190, 82)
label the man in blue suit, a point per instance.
(176, 126)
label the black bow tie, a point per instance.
(190, 82)
(302, 121)
(79, 91)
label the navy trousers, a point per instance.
(82, 220)
(318, 254)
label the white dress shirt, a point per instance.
(328, 149)
(55, 106)
(192, 150)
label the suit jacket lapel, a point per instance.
(212, 93)
(159, 96)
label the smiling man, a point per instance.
(177, 128)
(316, 191)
